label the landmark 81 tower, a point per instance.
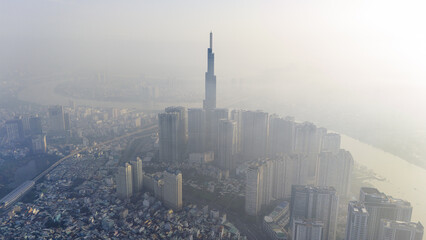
(210, 100)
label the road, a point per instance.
(38, 177)
(53, 166)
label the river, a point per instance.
(402, 179)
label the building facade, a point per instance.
(356, 224)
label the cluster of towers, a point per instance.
(130, 179)
(379, 216)
(166, 186)
(283, 159)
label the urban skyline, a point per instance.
(268, 161)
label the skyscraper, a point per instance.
(380, 206)
(307, 229)
(287, 172)
(213, 118)
(281, 135)
(331, 143)
(182, 130)
(254, 184)
(308, 141)
(236, 115)
(172, 190)
(335, 169)
(397, 230)
(56, 119)
(356, 225)
(260, 184)
(227, 144)
(168, 124)
(320, 203)
(14, 130)
(254, 134)
(210, 99)
(35, 125)
(196, 130)
(137, 175)
(38, 144)
(124, 181)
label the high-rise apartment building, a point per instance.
(168, 136)
(320, 203)
(227, 144)
(398, 230)
(308, 141)
(56, 120)
(172, 190)
(137, 175)
(254, 184)
(14, 130)
(307, 229)
(356, 225)
(380, 206)
(254, 132)
(281, 135)
(182, 130)
(196, 130)
(335, 170)
(236, 115)
(213, 118)
(288, 171)
(67, 121)
(124, 181)
(35, 125)
(331, 143)
(38, 144)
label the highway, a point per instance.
(53, 166)
(38, 177)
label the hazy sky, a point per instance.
(371, 50)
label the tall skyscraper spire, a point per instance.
(211, 40)
(210, 99)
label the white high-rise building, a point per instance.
(254, 184)
(281, 135)
(14, 130)
(307, 229)
(182, 129)
(268, 181)
(38, 144)
(196, 130)
(380, 206)
(227, 144)
(320, 203)
(398, 230)
(137, 175)
(287, 172)
(168, 136)
(172, 190)
(331, 143)
(213, 118)
(254, 132)
(261, 184)
(236, 116)
(56, 120)
(335, 170)
(124, 181)
(308, 141)
(356, 225)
